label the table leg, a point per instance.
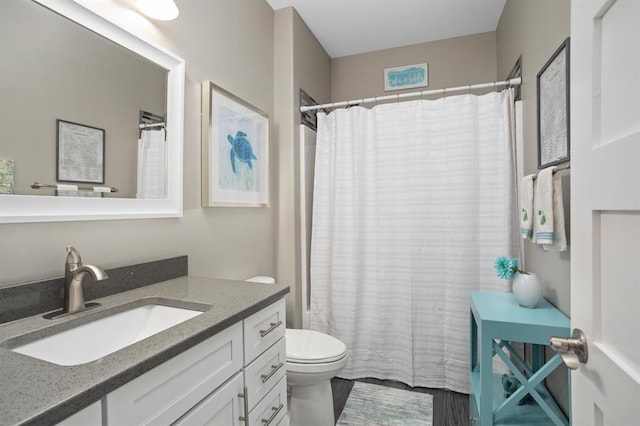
(537, 357)
(486, 377)
(473, 362)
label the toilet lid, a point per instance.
(310, 347)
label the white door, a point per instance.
(605, 209)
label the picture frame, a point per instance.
(553, 108)
(80, 152)
(235, 150)
(7, 176)
(406, 77)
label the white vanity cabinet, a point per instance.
(223, 407)
(240, 369)
(91, 415)
(261, 387)
(164, 394)
(265, 365)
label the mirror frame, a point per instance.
(44, 208)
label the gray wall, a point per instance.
(452, 62)
(536, 30)
(75, 76)
(300, 62)
(221, 242)
(241, 242)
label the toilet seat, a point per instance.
(320, 367)
(313, 347)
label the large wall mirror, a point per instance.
(75, 89)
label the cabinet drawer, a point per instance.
(221, 408)
(263, 373)
(273, 408)
(263, 329)
(165, 393)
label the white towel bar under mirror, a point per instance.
(23, 206)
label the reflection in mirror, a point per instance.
(86, 109)
(62, 71)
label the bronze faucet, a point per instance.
(74, 273)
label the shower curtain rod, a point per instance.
(512, 82)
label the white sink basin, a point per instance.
(93, 340)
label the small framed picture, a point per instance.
(406, 77)
(553, 109)
(80, 153)
(7, 171)
(235, 151)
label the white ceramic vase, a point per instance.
(527, 290)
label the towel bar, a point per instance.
(67, 187)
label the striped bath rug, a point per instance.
(370, 405)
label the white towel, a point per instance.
(526, 207)
(65, 187)
(543, 207)
(101, 189)
(152, 165)
(560, 237)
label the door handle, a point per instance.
(572, 350)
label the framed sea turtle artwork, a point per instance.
(235, 151)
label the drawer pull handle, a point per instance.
(245, 396)
(276, 410)
(273, 325)
(274, 368)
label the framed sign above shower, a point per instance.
(406, 77)
(235, 151)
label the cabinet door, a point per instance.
(221, 408)
(90, 416)
(263, 329)
(165, 393)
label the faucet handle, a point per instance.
(73, 257)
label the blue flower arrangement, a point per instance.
(506, 268)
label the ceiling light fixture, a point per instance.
(163, 10)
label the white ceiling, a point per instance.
(349, 27)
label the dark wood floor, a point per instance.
(449, 408)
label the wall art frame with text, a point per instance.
(80, 152)
(553, 94)
(406, 77)
(235, 151)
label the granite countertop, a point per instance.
(37, 392)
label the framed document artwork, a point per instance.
(553, 109)
(80, 153)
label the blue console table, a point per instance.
(496, 321)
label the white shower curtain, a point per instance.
(413, 202)
(152, 165)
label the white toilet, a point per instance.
(313, 358)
